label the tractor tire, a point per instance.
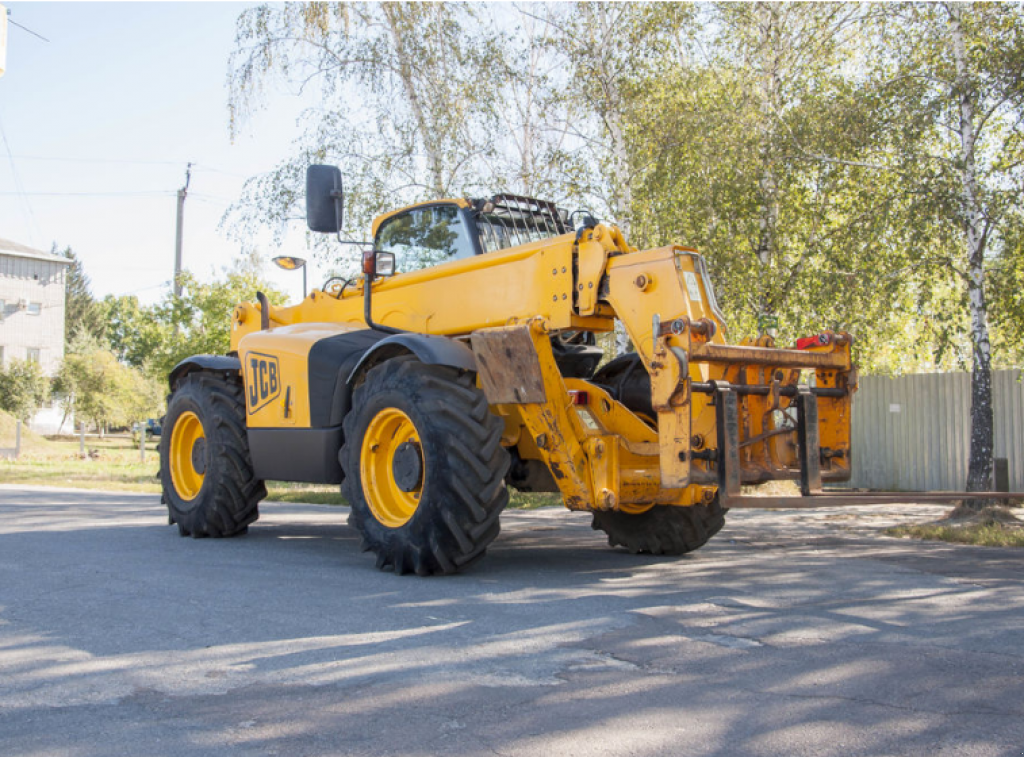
(662, 530)
(424, 468)
(205, 467)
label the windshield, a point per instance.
(510, 220)
(424, 237)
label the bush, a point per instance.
(23, 388)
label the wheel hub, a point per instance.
(408, 466)
(199, 456)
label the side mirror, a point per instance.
(378, 263)
(325, 200)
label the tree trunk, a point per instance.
(768, 28)
(979, 473)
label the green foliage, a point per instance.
(82, 314)
(134, 333)
(401, 100)
(1006, 284)
(813, 151)
(23, 388)
(199, 322)
(102, 390)
(154, 338)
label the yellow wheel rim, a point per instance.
(188, 455)
(632, 509)
(393, 502)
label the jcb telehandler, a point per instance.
(464, 362)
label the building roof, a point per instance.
(7, 247)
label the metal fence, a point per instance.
(914, 432)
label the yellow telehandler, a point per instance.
(463, 361)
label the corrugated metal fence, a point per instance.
(913, 433)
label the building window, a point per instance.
(32, 354)
(35, 308)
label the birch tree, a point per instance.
(962, 67)
(756, 142)
(397, 90)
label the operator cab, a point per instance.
(432, 233)
(429, 234)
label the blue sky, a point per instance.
(100, 123)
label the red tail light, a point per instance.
(578, 397)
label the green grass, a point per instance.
(978, 534)
(113, 464)
(532, 500)
(309, 494)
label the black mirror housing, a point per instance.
(325, 200)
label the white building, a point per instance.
(32, 290)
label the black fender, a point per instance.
(219, 363)
(433, 350)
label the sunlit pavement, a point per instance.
(790, 634)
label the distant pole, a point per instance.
(142, 442)
(182, 193)
(17, 440)
(81, 439)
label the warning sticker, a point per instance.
(692, 286)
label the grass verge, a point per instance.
(113, 463)
(990, 527)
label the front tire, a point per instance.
(205, 466)
(424, 467)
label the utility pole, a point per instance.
(182, 193)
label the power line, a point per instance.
(125, 161)
(161, 285)
(202, 167)
(211, 169)
(139, 193)
(34, 34)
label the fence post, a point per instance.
(142, 443)
(17, 440)
(1001, 469)
(81, 439)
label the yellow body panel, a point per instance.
(277, 395)
(454, 298)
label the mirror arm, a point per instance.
(338, 196)
(367, 286)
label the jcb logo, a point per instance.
(262, 380)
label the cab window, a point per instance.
(424, 237)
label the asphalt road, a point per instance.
(790, 634)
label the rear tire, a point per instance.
(205, 466)
(662, 530)
(424, 467)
